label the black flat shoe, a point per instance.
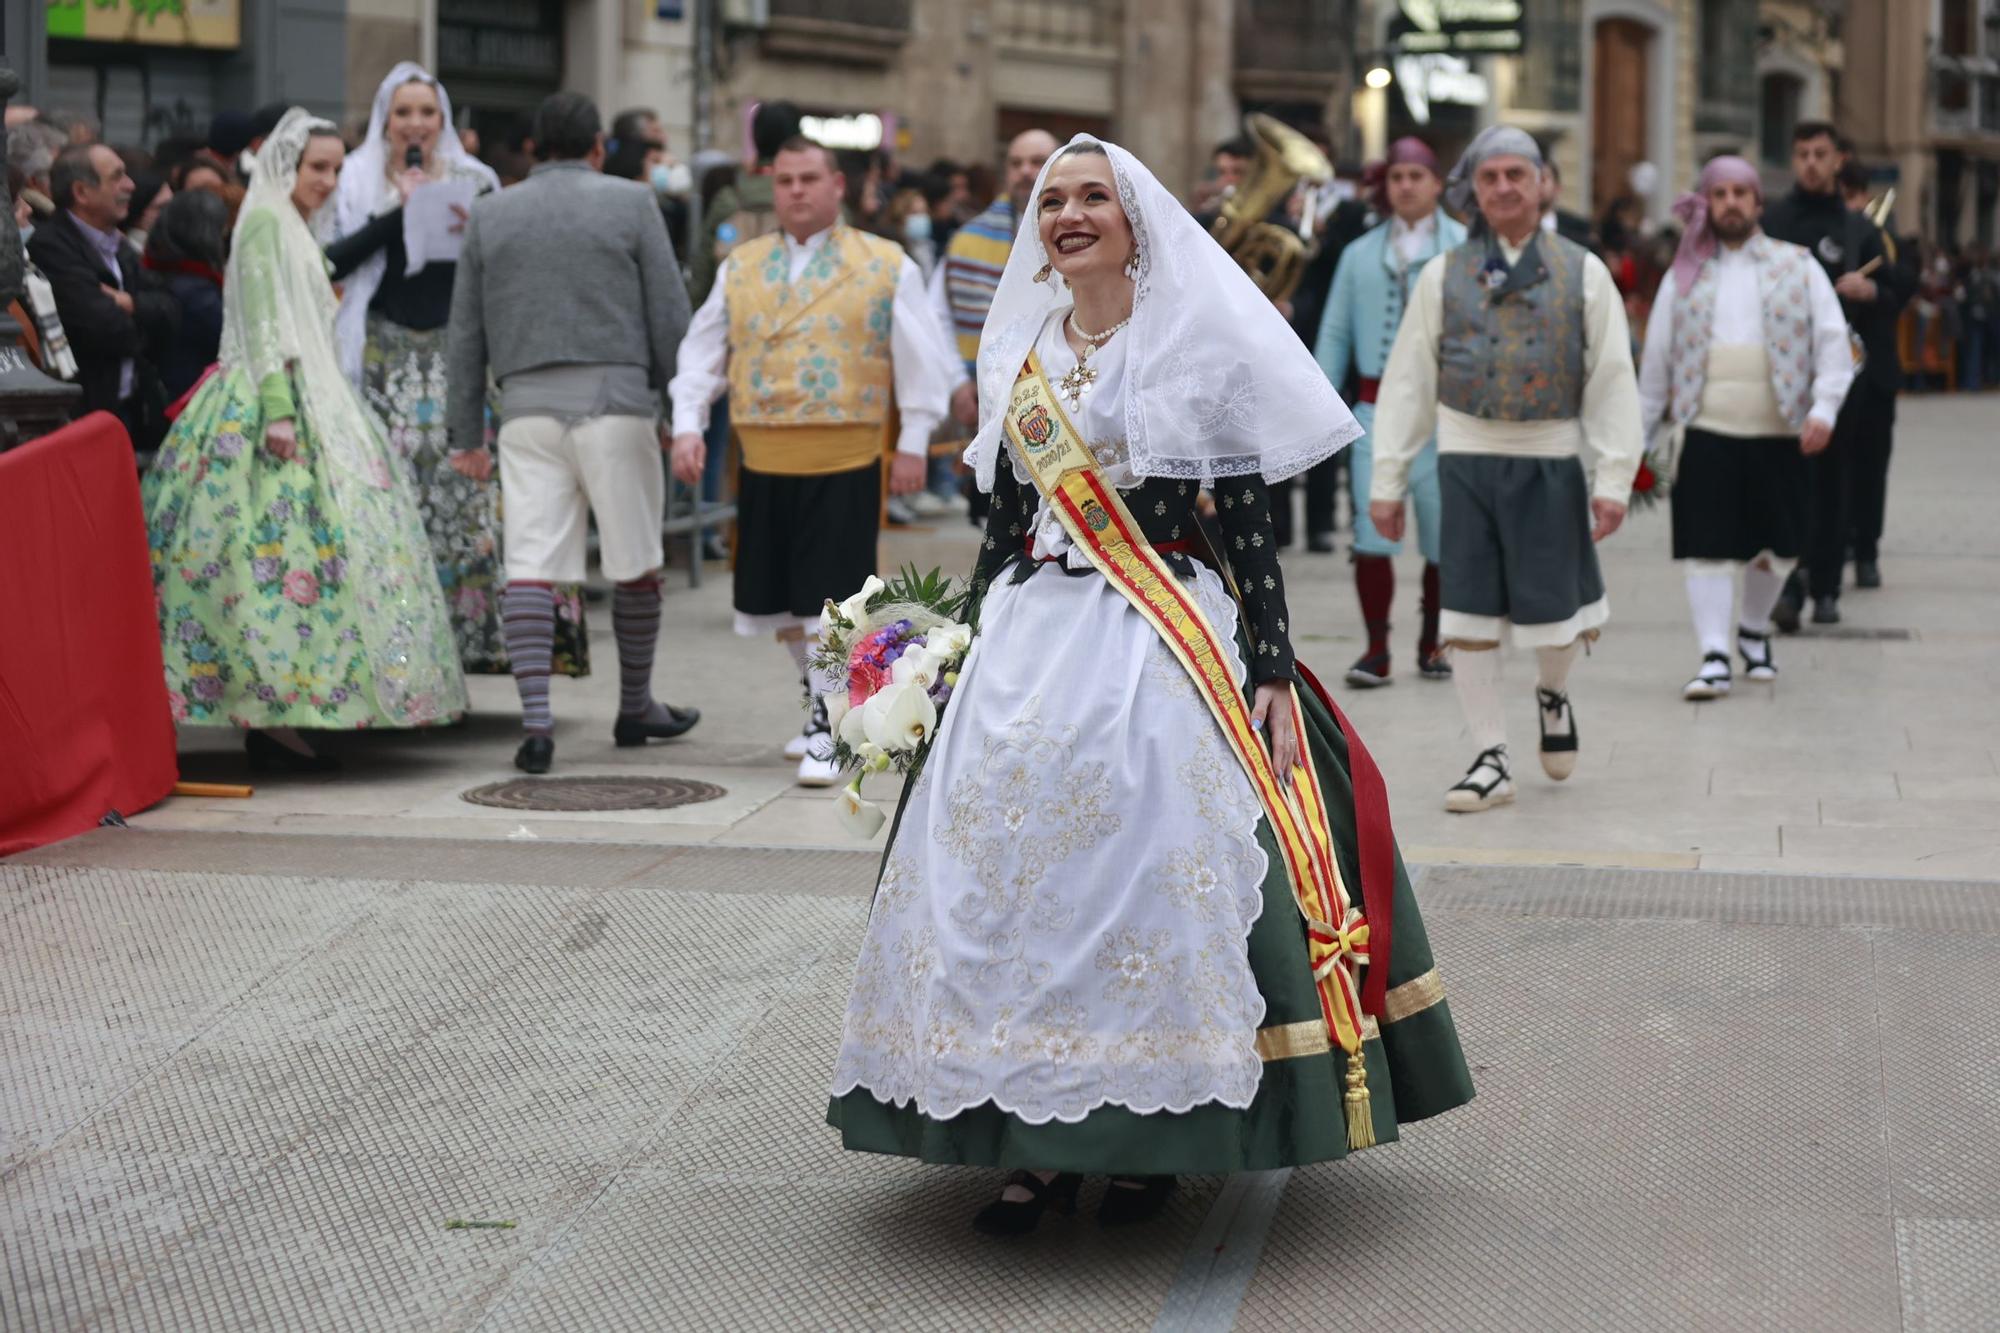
(268, 756)
(1867, 574)
(1432, 664)
(1004, 1217)
(1131, 1199)
(631, 731)
(535, 755)
(1319, 543)
(1826, 611)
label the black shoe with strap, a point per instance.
(1470, 793)
(1756, 649)
(1131, 1199)
(1711, 680)
(1558, 750)
(1017, 1217)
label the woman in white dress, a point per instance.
(1085, 953)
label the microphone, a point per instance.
(413, 157)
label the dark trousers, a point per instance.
(1849, 481)
(1322, 487)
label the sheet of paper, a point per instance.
(434, 222)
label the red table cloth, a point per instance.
(85, 726)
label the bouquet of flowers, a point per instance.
(892, 652)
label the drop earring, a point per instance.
(1132, 262)
(1043, 274)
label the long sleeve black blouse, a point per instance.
(420, 300)
(1166, 512)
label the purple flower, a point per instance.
(281, 509)
(305, 630)
(169, 521)
(190, 630)
(338, 694)
(229, 444)
(333, 569)
(206, 688)
(266, 693)
(264, 568)
(211, 570)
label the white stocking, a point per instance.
(1476, 673)
(1763, 581)
(1711, 586)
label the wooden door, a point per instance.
(1618, 109)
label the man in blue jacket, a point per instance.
(1363, 311)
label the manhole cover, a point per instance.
(594, 793)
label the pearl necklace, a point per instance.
(1082, 375)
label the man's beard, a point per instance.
(1732, 228)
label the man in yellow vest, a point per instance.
(822, 337)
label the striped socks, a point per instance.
(528, 620)
(635, 620)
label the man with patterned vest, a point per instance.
(1363, 310)
(823, 339)
(1747, 359)
(1515, 352)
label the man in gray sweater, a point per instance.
(568, 292)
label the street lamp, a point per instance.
(1378, 77)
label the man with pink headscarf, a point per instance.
(1746, 363)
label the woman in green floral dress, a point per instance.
(290, 566)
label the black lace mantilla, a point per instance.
(1165, 509)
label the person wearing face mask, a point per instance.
(637, 151)
(392, 331)
(1109, 936)
(1364, 308)
(290, 564)
(813, 332)
(1514, 353)
(1747, 359)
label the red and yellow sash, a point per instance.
(1097, 520)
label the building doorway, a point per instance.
(1621, 97)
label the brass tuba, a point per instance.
(1274, 255)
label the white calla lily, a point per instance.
(855, 608)
(836, 708)
(851, 729)
(899, 717)
(863, 819)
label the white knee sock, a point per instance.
(1552, 665)
(797, 648)
(1711, 597)
(819, 682)
(1761, 588)
(1476, 673)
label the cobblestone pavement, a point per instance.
(251, 1081)
(1873, 754)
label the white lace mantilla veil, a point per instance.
(1217, 383)
(278, 312)
(365, 190)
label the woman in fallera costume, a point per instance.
(1126, 918)
(291, 570)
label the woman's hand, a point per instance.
(409, 180)
(281, 440)
(1273, 716)
(474, 463)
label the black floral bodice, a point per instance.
(1165, 509)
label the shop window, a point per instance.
(1777, 114)
(1728, 41)
(1551, 60)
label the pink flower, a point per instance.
(302, 587)
(864, 678)
(178, 702)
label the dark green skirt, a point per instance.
(1415, 1070)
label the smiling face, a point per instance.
(1082, 226)
(319, 172)
(1509, 190)
(414, 121)
(1733, 210)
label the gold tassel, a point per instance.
(1360, 1114)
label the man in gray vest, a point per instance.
(1515, 352)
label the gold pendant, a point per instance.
(1078, 378)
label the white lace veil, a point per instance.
(278, 312)
(365, 190)
(1217, 384)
